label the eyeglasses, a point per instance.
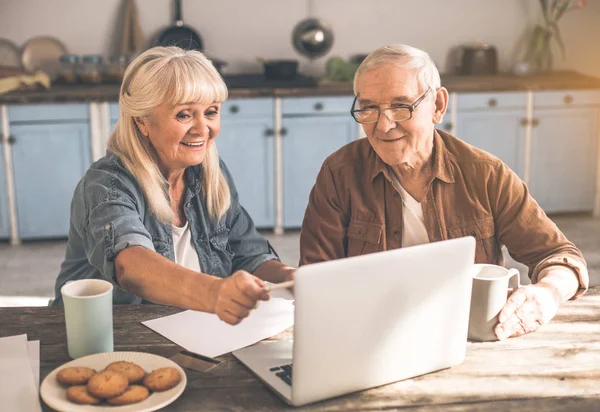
(398, 113)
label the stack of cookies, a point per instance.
(120, 383)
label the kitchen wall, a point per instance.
(240, 30)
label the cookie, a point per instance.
(133, 371)
(162, 379)
(107, 384)
(133, 394)
(76, 375)
(79, 394)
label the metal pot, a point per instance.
(280, 69)
(179, 34)
(312, 38)
(478, 59)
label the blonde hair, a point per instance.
(405, 57)
(173, 76)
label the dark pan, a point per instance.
(180, 35)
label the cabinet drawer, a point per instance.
(247, 108)
(48, 112)
(566, 98)
(317, 105)
(471, 101)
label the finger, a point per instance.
(253, 287)
(511, 327)
(524, 320)
(515, 300)
(237, 310)
(244, 300)
(229, 318)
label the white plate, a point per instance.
(55, 395)
(9, 54)
(42, 53)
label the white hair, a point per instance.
(405, 57)
(173, 76)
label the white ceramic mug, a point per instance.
(489, 295)
(88, 316)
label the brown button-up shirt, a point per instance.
(354, 209)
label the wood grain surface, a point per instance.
(556, 368)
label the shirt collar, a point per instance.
(193, 176)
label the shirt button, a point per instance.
(107, 227)
(396, 194)
(396, 233)
(359, 233)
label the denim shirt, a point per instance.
(109, 213)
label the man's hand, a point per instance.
(528, 308)
(237, 295)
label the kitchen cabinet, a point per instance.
(50, 153)
(564, 150)
(113, 110)
(313, 128)
(246, 145)
(4, 222)
(496, 123)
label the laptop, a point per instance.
(370, 320)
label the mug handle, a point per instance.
(514, 278)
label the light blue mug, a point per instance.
(88, 316)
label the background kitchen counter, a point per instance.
(544, 127)
(567, 80)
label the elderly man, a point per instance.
(408, 184)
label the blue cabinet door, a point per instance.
(306, 145)
(499, 132)
(563, 160)
(246, 147)
(49, 160)
(4, 223)
(113, 109)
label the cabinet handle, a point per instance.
(535, 122)
(492, 102)
(234, 109)
(269, 132)
(568, 99)
(9, 139)
(448, 126)
(283, 131)
(525, 121)
(319, 106)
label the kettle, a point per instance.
(478, 59)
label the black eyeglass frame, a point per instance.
(411, 108)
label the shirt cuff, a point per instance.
(113, 245)
(564, 259)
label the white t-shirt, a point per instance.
(185, 253)
(413, 228)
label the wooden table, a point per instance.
(556, 368)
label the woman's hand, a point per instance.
(237, 295)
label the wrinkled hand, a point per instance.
(528, 308)
(237, 295)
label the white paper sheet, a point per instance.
(17, 387)
(207, 335)
(33, 347)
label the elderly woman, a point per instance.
(159, 215)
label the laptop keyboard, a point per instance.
(284, 372)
